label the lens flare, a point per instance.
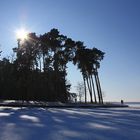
(21, 34)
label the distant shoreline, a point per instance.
(59, 104)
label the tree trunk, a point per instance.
(89, 91)
(93, 89)
(100, 89)
(40, 64)
(97, 86)
(90, 84)
(85, 89)
(43, 62)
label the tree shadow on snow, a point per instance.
(68, 123)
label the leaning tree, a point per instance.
(88, 61)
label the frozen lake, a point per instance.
(69, 124)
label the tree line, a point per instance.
(39, 70)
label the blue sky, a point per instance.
(110, 25)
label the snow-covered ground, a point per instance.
(69, 124)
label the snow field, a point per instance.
(69, 124)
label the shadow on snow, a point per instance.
(69, 123)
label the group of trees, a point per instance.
(88, 61)
(39, 69)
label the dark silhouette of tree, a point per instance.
(88, 60)
(99, 55)
(40, 68)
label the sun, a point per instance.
(22, 34)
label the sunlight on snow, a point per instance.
(69, 124)
(70, 133)
(30, 118)
(57, 120)
(4, 114)
(8, 108)
(100, 126)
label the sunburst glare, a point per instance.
(21, 34)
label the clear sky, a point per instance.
(110, 25)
